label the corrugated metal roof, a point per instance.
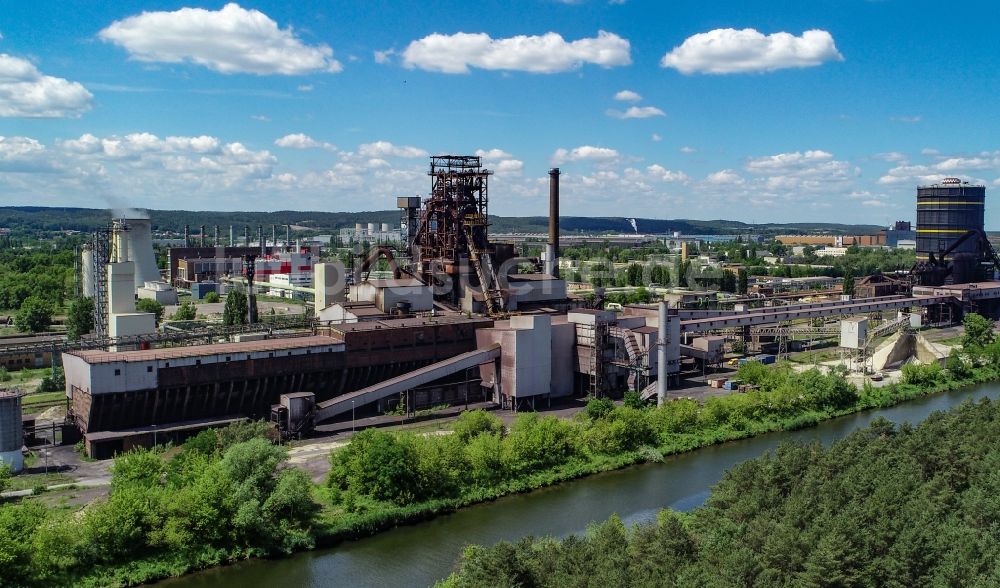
(93, 356)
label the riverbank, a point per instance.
(718, 421)
(888, 504)
(337, 526)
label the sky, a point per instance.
(818, 111)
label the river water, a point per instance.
(423, 553)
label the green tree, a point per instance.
(151, 306)
(5, 476)
(187, 311)
(80, 318)
(848, 283)
(34, 316)
(212, 297)
(235, 311)
(727, 283)
(377, 464)
(978, 331)
(956, 365)
(742, 281)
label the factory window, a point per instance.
(167, 364)
(118, 372)
(197, 362)
(228, 358)
(149, 369)
(270, 354)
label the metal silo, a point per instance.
(945, 212)
(11, 433)
(87, 271)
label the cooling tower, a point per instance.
(141, 251)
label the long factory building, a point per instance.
(123, 399)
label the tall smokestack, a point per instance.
(274, 235)
(187, 235)
(215, 241)
(232, 242)
(661, 356)
(288, 236)
(260, 239)
(202, 235)
(552, 251)
(246, 235)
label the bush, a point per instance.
(187, 311)
(633, 399)
(5, 475)
(54, 382)
(212, 297)
(5, 375)
(151, 306)
(624, 429)
(378, 464)
(474, 422)
(538, 442)
(485, 455)
(921, 374)
(599, 407)
(956, 365)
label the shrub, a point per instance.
(538, 442)
(377, 464)
(485, 455)
(633, 399)
(474, 422)
(921, 374)
(187, 311)
(212, 297)
(599, 407)
(151, 306)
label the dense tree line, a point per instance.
(223, 495)
(887, 506)
(44, 275)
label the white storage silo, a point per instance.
(385, 227)
(372, 228)
(141, 251)
(87, 271)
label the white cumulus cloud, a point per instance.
(584, 153)
(380, 149)
(636, 112)
(548, 53)
(500, 161)
(628, 96)
(726, 51)
(26, 92)
(230, 40)
(301, 141)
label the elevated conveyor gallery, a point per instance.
(393, 386)
(766, 316)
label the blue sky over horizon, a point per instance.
(761, 111)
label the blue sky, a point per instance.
(781, 111)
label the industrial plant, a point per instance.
(438, 311)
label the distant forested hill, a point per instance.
(38, 218)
